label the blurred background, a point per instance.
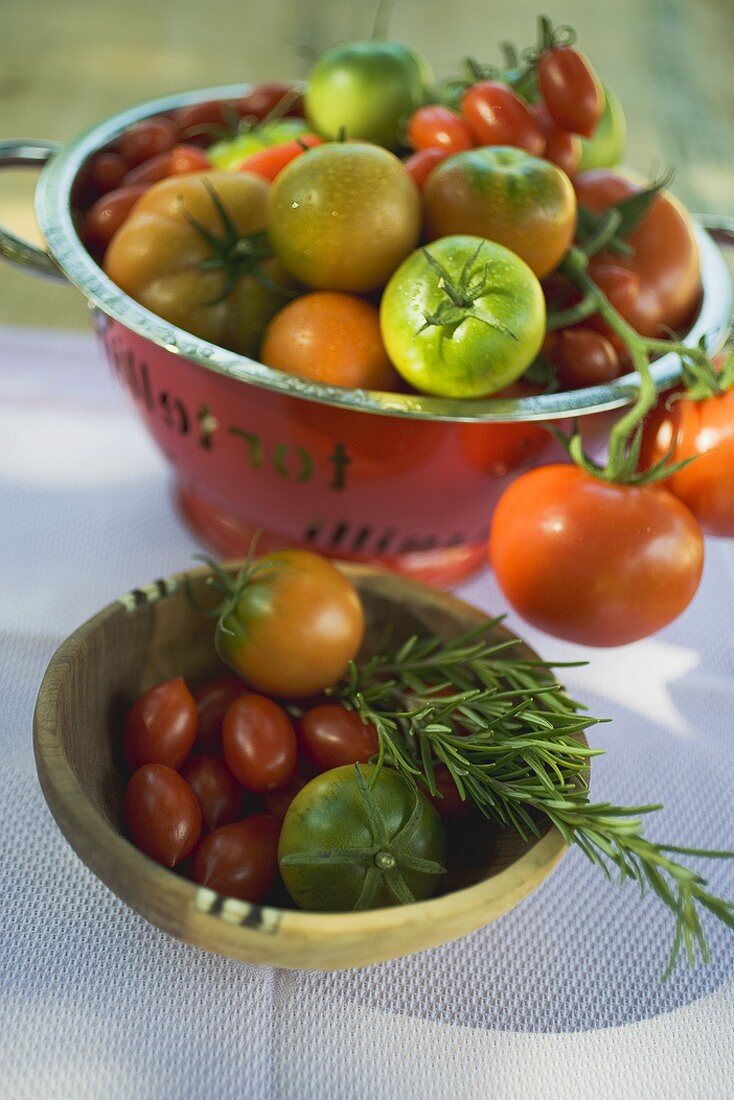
(65, 64)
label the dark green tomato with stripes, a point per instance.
(359, 838)
(506, 195)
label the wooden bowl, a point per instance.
(153, 634)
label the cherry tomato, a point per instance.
(162, 815)
(106, 171)
(173, 162)
(704, 429)
(584, 358)
(448, 802)
(268, 163)
(496, 116)
(161, 726)
(297, 625)
(331, 736)
(259, 743)
(561, 148)
(146, 139)
(422, 163)
(198, 122)
(571, 90)
(217, 791)
(212, 700)
(273, 98)
(436, 127)
(332, 338)
(276, 802)
(507, 196)
(239, 860)
(664, 256)
(593, 562)
(105, 217)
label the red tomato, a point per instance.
(448, 802)
(496, 116)
(561, 147)
(436, 127)
(217, 791)
(239, 860)
(276, 803)
(584, 358)
(200, 121)
(593, 562)
(146, 139)
(212, 700)
(161, 726)
(265, 99)
(704, 429)
(173, 162)
(268, 162)
(422, 163)
(259, 743)
(105, 217)
(571, 90)
(331, 736)
(665, 255)
(106, 171)
(162, 815)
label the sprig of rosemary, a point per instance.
(509, 735)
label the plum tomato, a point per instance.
(422, 163)
(705, 430)
(571, 90)
(212, 700)
(496, 116)
(591, 561)
(259, 743)
(520, 201)
(276, 802)
(217, 791)
(275, 98)
(344, 217)
(462, 317)
(353, 839)
(107, 170)
(174, 162)
(294, 627)
(664, 255)
(161, 726)
(270, 162)
(330, 337)
(331, 736)
(192, 251)
(561, 148)
(583, 357)
(162, 815)
(437, 127)
(107, 214)
(368, 90)
(447, 801)
(146, 139)
(239, 860)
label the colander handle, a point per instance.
(719, 226)
(27, 154)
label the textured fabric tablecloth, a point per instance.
(560, 998)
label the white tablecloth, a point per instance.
(560, 998)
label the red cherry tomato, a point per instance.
(448, 802)
(436, 127)
(106, 171)
(496, 116)
(422, 163)
(268, 163)
(173, 162)
(332, 736)
(217, 791)
(276, 803)
(201, 121)
(593, 562)
(162, 815)
(105, 217)
(161, 726)
(561, 147)
(146, 139)
(239, 860)
(584, 358)
(265, 99)
(571, 90)
(212, 700)
(259, 743)
(704, 429)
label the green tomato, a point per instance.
(462, 317)
(606, 147)
(229, 154)
(368, 88)
(345, 845)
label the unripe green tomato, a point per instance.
(368, 88)
(606, 147)
(468, 350)
(229, 154)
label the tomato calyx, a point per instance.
(610, 228)
(462, 295)
(230, 588)
(234, 254)
(384, 859)
(703, 379)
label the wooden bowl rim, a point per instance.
(100, 847)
